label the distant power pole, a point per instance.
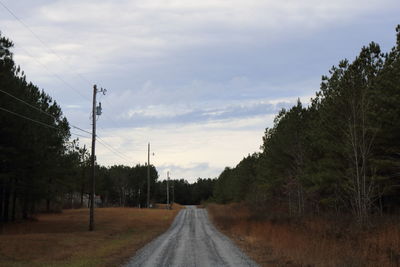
(148, 175)
(173, 192)
(168, 207)
(139, 198)
(96, 111)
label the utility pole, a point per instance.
(173, 192)
(96, 110)
(148, 175)
(139, 198)
(168, 207)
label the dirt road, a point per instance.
(191, 241)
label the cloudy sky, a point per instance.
(200, 80)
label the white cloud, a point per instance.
(217, 144)
(188, 171)
(105, 32)
(202, 74)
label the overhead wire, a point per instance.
(53, 52)
(111, 149)
(37, 37)
(101, 141)
(80, 135)
(36, 121)
(42, 111)
(114, 149)
(27, 118)
(59, 78)
(26, 103)
(115, 136)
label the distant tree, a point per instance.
(339, 154)
(33, 152)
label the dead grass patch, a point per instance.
(174, 206)
(63, 239)
(308, 241)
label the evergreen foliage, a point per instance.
(339, 154)
(35, 155)
(42, 171)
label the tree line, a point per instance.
(35, 153)
(185, 193)
(42, 169)
(126, 186)
(339, 154)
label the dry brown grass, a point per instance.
(308, 242)
(174, 206)
(63, 239)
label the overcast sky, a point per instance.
(199, 79)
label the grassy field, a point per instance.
(309, 241)
(63, 239)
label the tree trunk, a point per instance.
(25, 208)
(6, 204)
(48, 205)
(82, 192)
(360, 140)
(48, 199)
(1, 198)
(14, 203)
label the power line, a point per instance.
(26, 26)
(43, 44)
(115, 136)
(112, 149)
(52, 73)
(27, 118)
(80, 129)
(42, 111)
(53, 52)
(38, 38)
(115, 151)
(26, 103)
(48, 48)
(60, 58)
(101, 141)
(65, 82)
(79, 135)
(36, 121)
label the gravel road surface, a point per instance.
(191, 241)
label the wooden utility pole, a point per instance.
(148, 175)
(173, 192)
(95, 111)
(168, 207)
(91, 220)
(139, 198)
